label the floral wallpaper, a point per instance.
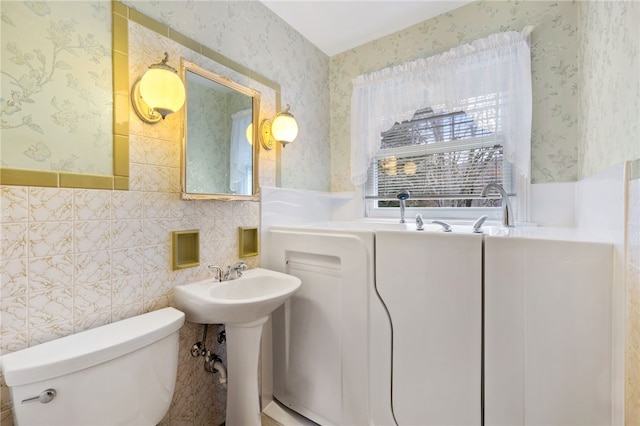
(609, 63)
(249, 33)
(554, 44)
(75, 259)
(56, 56)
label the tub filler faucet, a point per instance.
(507, 212)
(403, 196)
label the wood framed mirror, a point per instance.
(219, 136)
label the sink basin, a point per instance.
(249, 298)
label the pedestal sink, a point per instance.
(243, 305)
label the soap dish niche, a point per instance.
(185, 249)
(248, 242)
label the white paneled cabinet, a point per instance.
(397, 327)
(547, 332)
(431, 284)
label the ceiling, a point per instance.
(336, 26)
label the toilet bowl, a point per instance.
(122, 373)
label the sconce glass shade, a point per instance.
(249, 134)
(284, 127)
(159, 92)
(162, 90)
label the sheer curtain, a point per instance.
(240, 158)
(498, 65)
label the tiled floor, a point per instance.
(268, 421)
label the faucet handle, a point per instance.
(445, 226)
(477, 225)
(240, 267)
(419, 223)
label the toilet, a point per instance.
(122, 373)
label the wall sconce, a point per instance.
(283, 128)
(158, 93)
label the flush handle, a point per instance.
(45, 396)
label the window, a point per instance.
(445, 126)
(443, 159)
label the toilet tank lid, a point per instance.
(88, 348)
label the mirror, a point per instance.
(219, 149)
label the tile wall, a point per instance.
(76, 259)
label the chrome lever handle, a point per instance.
(477, 225)
(45, 397)
(445, 226)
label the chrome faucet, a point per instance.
(507, 212)
(236, 269)
(403, 196)
(218, 271)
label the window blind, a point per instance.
(443, 159)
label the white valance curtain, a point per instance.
(453, 81)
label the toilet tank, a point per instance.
(123, 373)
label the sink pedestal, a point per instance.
(243, 305)
(243, 352)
